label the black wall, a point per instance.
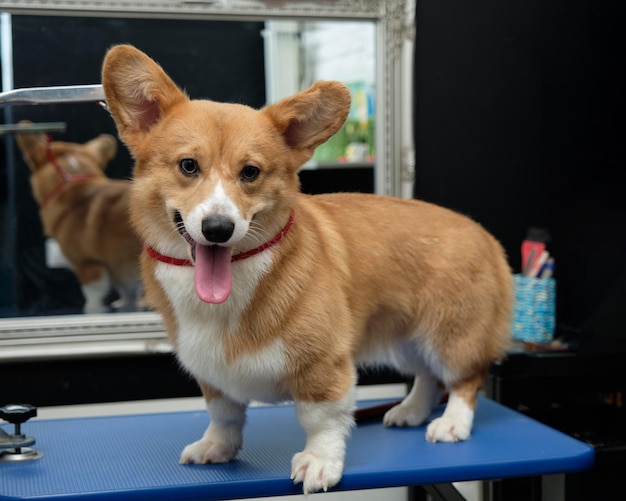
(519, 122)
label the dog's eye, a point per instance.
(249, 173)
(189, 167)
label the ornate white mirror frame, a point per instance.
(122, 333)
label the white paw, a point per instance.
(446, 429)
(208, 451)
(405, 415)
(316, 474)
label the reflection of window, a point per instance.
(342, 51)
(345, 52)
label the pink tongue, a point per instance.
(212, 276)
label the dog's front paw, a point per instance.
(315, 473)
(447, 429)
(208, 451)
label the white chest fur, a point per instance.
(204, 329)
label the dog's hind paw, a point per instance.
(315, 474)
(454, 425)
(207, 451)
(445, 429)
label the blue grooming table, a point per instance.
(122, 457)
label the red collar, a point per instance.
(237, 257)
(65, 177)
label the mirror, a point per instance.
(238, 51)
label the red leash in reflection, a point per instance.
(65, 178)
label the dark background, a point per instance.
(519, 114)
(519, 120)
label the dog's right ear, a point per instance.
(33, 147)
(137, 91)
(104, 148)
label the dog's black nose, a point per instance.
(217, 229)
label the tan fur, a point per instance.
(88, 218)
(355, 277)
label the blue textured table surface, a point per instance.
(112, 458)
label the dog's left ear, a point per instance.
(312, 116)
(137, 91)
(33, 147)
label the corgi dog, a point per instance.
(87, 214)
(271, 295)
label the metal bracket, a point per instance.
(52, 95)
(16, 444)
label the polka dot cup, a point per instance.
(535, 309)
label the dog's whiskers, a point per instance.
(255, 232)
(177, 230)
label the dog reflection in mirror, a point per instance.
(86, 213)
